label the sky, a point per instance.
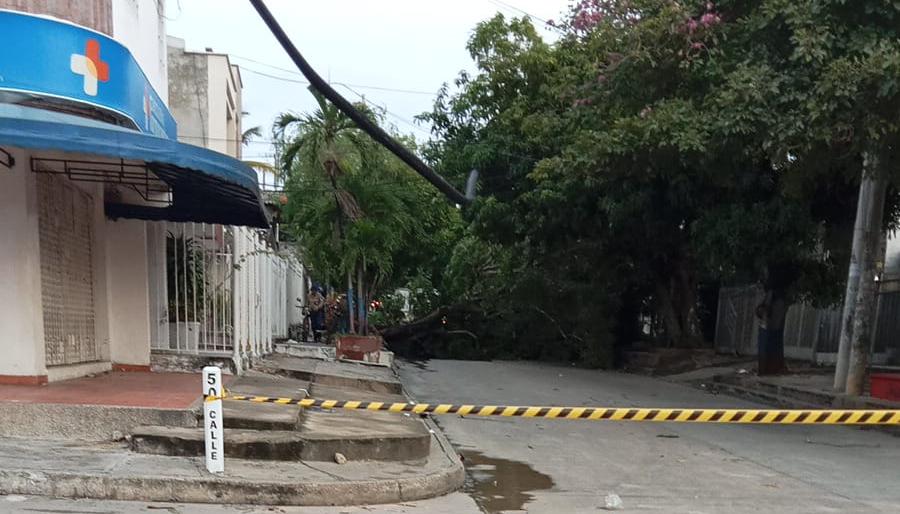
(410, 45)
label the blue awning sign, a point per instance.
(207, 186)
(69, 89)
(52, 58)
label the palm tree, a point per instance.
(320, 145)
(247, 137)
(325, 139)
(357, 210)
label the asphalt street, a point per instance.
(652, 466)
(553, 466)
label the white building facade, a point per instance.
(241, 294)
(89, 168)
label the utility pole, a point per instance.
(857, 255)
(864, 309)
(372, 129)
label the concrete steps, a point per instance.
(307, 350)
(319, 443)
(357, 376)
(272, 432)
(365, 436)
(783, 396)
(239, 443)
(258, 416)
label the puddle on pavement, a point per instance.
(499, 485)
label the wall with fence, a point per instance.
(217, 290)
(810, 333)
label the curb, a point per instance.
(231, 491)
(85, 422)
(442, 441)
(760, 395)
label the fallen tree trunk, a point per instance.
(417, 327)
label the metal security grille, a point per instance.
(217, 290)
(810, 333)
(197, 314)
(66, 272)
(736, 325)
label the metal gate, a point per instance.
(810, 333)
(67, 291)
(215, 290)
(736, 325)
(193, 301)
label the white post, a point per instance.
(212, 420)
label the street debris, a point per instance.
(613, 502)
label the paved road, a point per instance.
(558, 466)
(653, 467)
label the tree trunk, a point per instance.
(857, 255)
(686, 294)
(678, 306)
(670, 317)
(864, 310)
(426, 324)
(772, 313)
(361, 302)
(770, 339)
(351, 325)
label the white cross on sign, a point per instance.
(212, 420)
(90, 66)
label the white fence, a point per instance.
(217, 290)
(810, 333)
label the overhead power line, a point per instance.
(385, 109)
(306, 82)
(271, 76)
(502, 4)
(351, 89)
(374, 131)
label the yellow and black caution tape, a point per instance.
(753, 416)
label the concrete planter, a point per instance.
(184, 335)
(360, 348)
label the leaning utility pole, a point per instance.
(857, 255)
(364, 123)
(864, 308)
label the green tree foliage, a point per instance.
(354, 208)
(657, 147)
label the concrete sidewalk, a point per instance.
(111, 471)
(802, 388)
(101, 407)
(275, 454)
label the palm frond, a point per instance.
(262, 166)
(249, 134)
